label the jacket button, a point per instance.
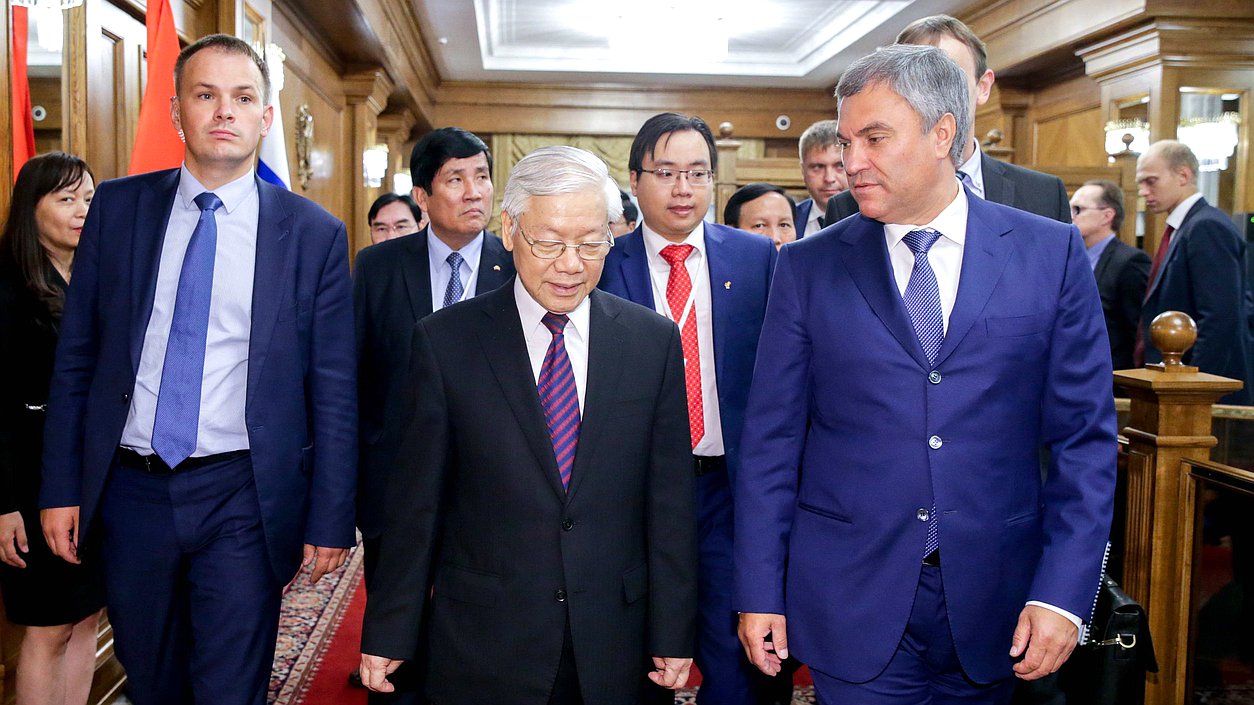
(934, 377)
(921, 514)
(559, 595)
(568, 525)
(126, 398)
(935, 442)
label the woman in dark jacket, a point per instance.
(59, 603)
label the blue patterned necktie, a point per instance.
(454, 292)
(923, 303)
(178, 401)
(559, 397)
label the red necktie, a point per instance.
(678, 289)
(1138, 355)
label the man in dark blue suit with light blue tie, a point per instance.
(892, 526)
(713, 281)
(202, 417)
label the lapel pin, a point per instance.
(727, 285)
(496, 267)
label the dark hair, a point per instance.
(437, 147)
(388, 199)
(1111, 197)
(929, 30)
(631, 214)
(19, 242)
(661, 125)
(752, 192)
(230, 45)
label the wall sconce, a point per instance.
(1212, 139)
(374, 162)
(402, 182)
(1117, 129)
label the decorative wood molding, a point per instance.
(367, 85)
(407, 59)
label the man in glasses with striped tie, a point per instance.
(540, 538)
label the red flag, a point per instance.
(157, 144)
(23, 123)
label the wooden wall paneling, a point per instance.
(407, 60)
(1067, 125)
(115, 45)
(6, 161)
(365, 91)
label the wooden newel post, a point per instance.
(725, 177)
(1170, 420)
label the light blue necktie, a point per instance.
(923, 303)
(178, 401)
(453, 293)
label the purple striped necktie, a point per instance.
(559, 398)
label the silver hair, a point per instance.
(922, 75)
(552, 171)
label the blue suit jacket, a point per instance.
(839, 468)
(1204, 276)
(801, 215)
(740, 278)
(302, 397)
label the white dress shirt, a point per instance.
(1176, 219)
(224, 384)
(812, 224)
(711, 443)
(946, 260)
(538, 337)
(974, 168)
(437, 256)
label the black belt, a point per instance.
(153, 464)
(706, 464)
(932, 559)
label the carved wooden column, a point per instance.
(366, 92)
(1170, 420)
(394, 130)
(725, 175)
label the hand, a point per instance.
(324, 561)
(1048, 638)
(60, 525)
(375, 670)
(670, 672)
(13, 539)
(754, 628)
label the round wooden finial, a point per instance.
(1173, 333)
(725, 130)
(1127, 140)
(994, 137)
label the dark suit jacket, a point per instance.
(1204, 276)
(1004, 183)
(740, 269)
(1122, 272)
(301, 408)
(801, 215)
(477, 512)
(855, 435)
(391, 292)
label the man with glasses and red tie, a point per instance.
(712, 281)
(540, 544)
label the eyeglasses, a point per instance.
(398, 228)
(1077, 210)
(696, 177)
(552, 249)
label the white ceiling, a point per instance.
(771, 43)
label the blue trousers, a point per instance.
(192, 598)
(925, 669)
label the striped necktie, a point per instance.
(559, 397)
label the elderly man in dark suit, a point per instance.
(1199, 268)
(202, 419)
(540, 538)
(1121, 269)
(986, 177)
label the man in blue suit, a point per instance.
(823, 173)
(892, 527)
(1199, 268)
(713, 281)
(202, 417)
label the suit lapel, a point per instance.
(803, 217)
(997, 188)
(501, 335)
(868, 265)
(634, 268)
(417, 272)
(157, 196)
(606, 342)
(1103, 261)
(494, 265)
(984, 257)
(720, 271)
(1174, 246)
(273, 285)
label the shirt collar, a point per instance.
(531, 314)
(974, 167)
(815, 214)
(1095, 251)
(1176, 219)
(653, 243)
(231, 194)
(440, 250)
(951, 223)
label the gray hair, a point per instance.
(925, 77)
(552, 171)
(820, 135)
